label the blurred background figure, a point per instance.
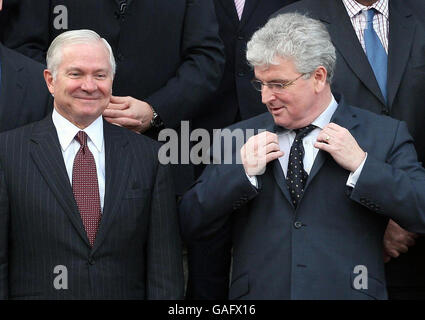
(24, 97)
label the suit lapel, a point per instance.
(47, 155)
(230, 9)
(342, 117)
(401, 35)
(277, 171)
(12, 88)
(348, 45)
(117, 171)
(248, 10)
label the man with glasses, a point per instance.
(381, 68)
(309, 197)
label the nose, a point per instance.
(267, 95)
(89, 84)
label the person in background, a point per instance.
(24, 97)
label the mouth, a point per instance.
(275, 109)
(87, 98)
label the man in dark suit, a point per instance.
(24, 97)
(86, 209)
(401, 30)
(169, 55)
(234, 100)
(309, 199)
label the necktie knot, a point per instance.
(81, 137)
(369, 17)
(301, 133)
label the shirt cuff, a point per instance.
(253, 180)
(354, 176)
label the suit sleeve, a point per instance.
(200, 71)
(396, 187)
(205, 209)
(4, 234)
(27, 29)
(164, 253)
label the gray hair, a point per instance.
(54, 54)
(295, 37)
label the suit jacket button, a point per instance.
(241, 38)
(91, 261)
(297, 224)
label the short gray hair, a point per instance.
(54, 54)
(295, 37)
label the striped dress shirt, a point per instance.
(357, 14)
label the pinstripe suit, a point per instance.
(137, 252)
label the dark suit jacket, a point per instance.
(24, 97)
(234, 100)
(311, 252)
(168, 52)
(406, 95)
(137, 252)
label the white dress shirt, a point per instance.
(70, 146)
(286, 139)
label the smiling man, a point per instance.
(309, 203)
(81, 217)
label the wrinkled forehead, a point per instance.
(85, 54)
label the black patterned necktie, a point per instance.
(296, 175)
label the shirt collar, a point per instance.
(354, 8)
(325, 117)
(320, 122)
(67, 131)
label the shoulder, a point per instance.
(309, 7)
(19, 60)
(258, 122)
(377, 125)
(140, 143)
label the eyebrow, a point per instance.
(81, 70)
(274, 80)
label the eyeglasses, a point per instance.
(276, 87)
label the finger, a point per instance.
(111, 113)
(323, 146)
(124, 122)
(267, 137)
(273, 156)
(118, 106)
(393, 253)
(324, 137)
(271, 147)
(118, 99)
(333, 127)
(410, 241)
(402, 248)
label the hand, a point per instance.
(258, 151)
(341, 145)
(397, 240)
(129, 112)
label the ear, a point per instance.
(320, 75)
(48, 77)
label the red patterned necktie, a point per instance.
(85, 187)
